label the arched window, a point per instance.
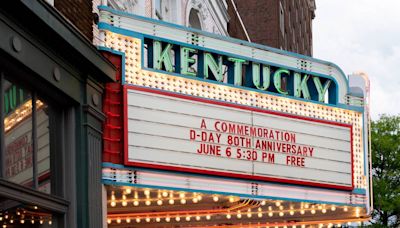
(194, 19)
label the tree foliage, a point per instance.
(385, 146)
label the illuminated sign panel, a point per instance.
(239, 71)
(175, 132)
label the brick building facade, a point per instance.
(283, 24)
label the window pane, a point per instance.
(43, 145)
(18, 134)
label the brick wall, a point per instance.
(262, 21)
(79, 12)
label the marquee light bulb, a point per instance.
(312, 211)
(159, 202)
(208, 217)
(215, 198)
(128, 191)
(171, 201)
(135, 203)
(281, 214)
(239, 215)
(199, 197)
(231, 199)
(41, 221)
(118, 220)
(345, 209)
(177, 219)
(158, 219)
(182, 195)
(324, 211)
(164, 194)
(291, 212)
(22, 221)
(147, 219)
(148, 202)
(228, 216)
(306, 206)
(137, 220)
(270, 214)
(195, 200)
(50, 222)
(333, 208)
(277, 203)
(113, 204)
(167, 219)
(302, 212)
(188, 218)
(198, 218)
(11, 221)
(183, 201)
(128, 220)
(263, 203)
(147, 192)
(260, 214)
(33, 221)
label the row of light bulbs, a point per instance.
(208, 217)
(198, 197)
(229, 215)
(23, 221)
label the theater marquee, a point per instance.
(184, 133)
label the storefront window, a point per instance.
(26, 155)
(17, 214)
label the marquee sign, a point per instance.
(184, 133)
(239, 71)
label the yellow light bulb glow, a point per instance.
(215, 198)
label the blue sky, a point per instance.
(363, 35)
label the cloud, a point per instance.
(363, 36)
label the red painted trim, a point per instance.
(221, 173)
(352, 157)
(125, 123)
